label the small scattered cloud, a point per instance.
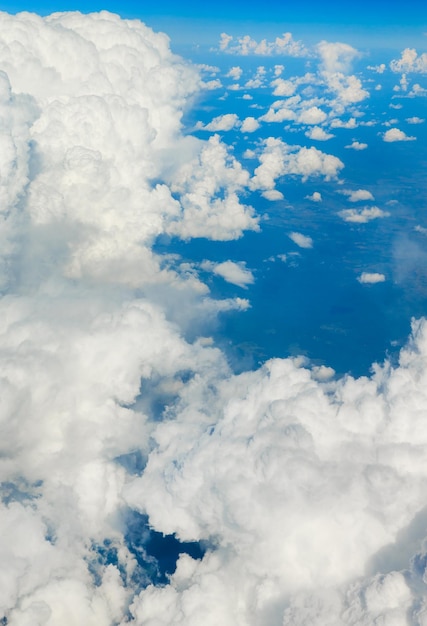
(316, 196)
(317, 133)
(231, 272)
(224, 122)
(371, 278)
(379, 69)
(415, 120)
(246, 45)
(303, 241)
(395, 134)
(358, 195)
(362, 216)
(313, 115)
(249, 125)
(357, 145)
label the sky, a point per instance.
(213, 297)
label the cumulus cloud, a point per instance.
(235, 273)
(371, 278)
(410, 61)
(303, 241)
(246, 45)
(312, 115)
(249, 125)
(362, 216)
(357, 195)
(316, 196)
(395, 134)
(357, 145)
(279, 159)
(224, 122)
(324, 479)
(336, 57)
(319, 134)
(415, 120)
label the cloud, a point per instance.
(317, 133)
(357, 195)
(249, 125)
(312, 115)
(283, 87)
(415, 120)
(303, 241)
(235, 73)
(315, 197)
(357, 145)
(286, 473)
(234, 273)
(410, 61)
(336, 57)
(394, 134)
(220, 123)
(371, 278)
(245, 45)
(362, 216)
(120, 417)
(279, 159)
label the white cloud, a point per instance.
(235, 73)
(224, 122)
(415, 120)
(324, 479)
(279, 159)
(337, 57)
(410, 61)
(272, 195)
(318, 134)
(249, 125)
(245, 45)
(283, 87)
(371, 278)
(337, 123)
(357, 145)
(395, 134)
(234, 273)
(303, 241)
(362, 216)
(380, 69)
(315, 197)
(357, 195)
(312, 115)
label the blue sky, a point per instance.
(379, 22)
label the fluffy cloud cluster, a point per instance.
(312, 495)
(410, 61)
(280, 159)
(245, 45)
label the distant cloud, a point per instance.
(245, 45)
(410, 61)
(224, 122)
(316, 196)
(362, 216)
(303, 241)
(371, 278)
(394, 134)
(415, 120)
(357, 145)
(249, 125)
(380, 69)
(357, 195)
(234, 273)
(317, 133)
